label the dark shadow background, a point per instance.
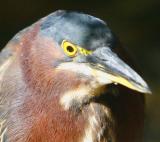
(136, 23)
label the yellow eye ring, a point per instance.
(69, 48)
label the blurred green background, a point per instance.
(136, 23)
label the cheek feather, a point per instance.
(78, 94)
(81, 95)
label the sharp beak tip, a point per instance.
(147, 90)
(142, 86)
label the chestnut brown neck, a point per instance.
(40, 116)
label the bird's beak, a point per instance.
(109, 68)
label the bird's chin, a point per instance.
(84, 96)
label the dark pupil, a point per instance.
(70, 48)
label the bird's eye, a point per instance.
(69, 48)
